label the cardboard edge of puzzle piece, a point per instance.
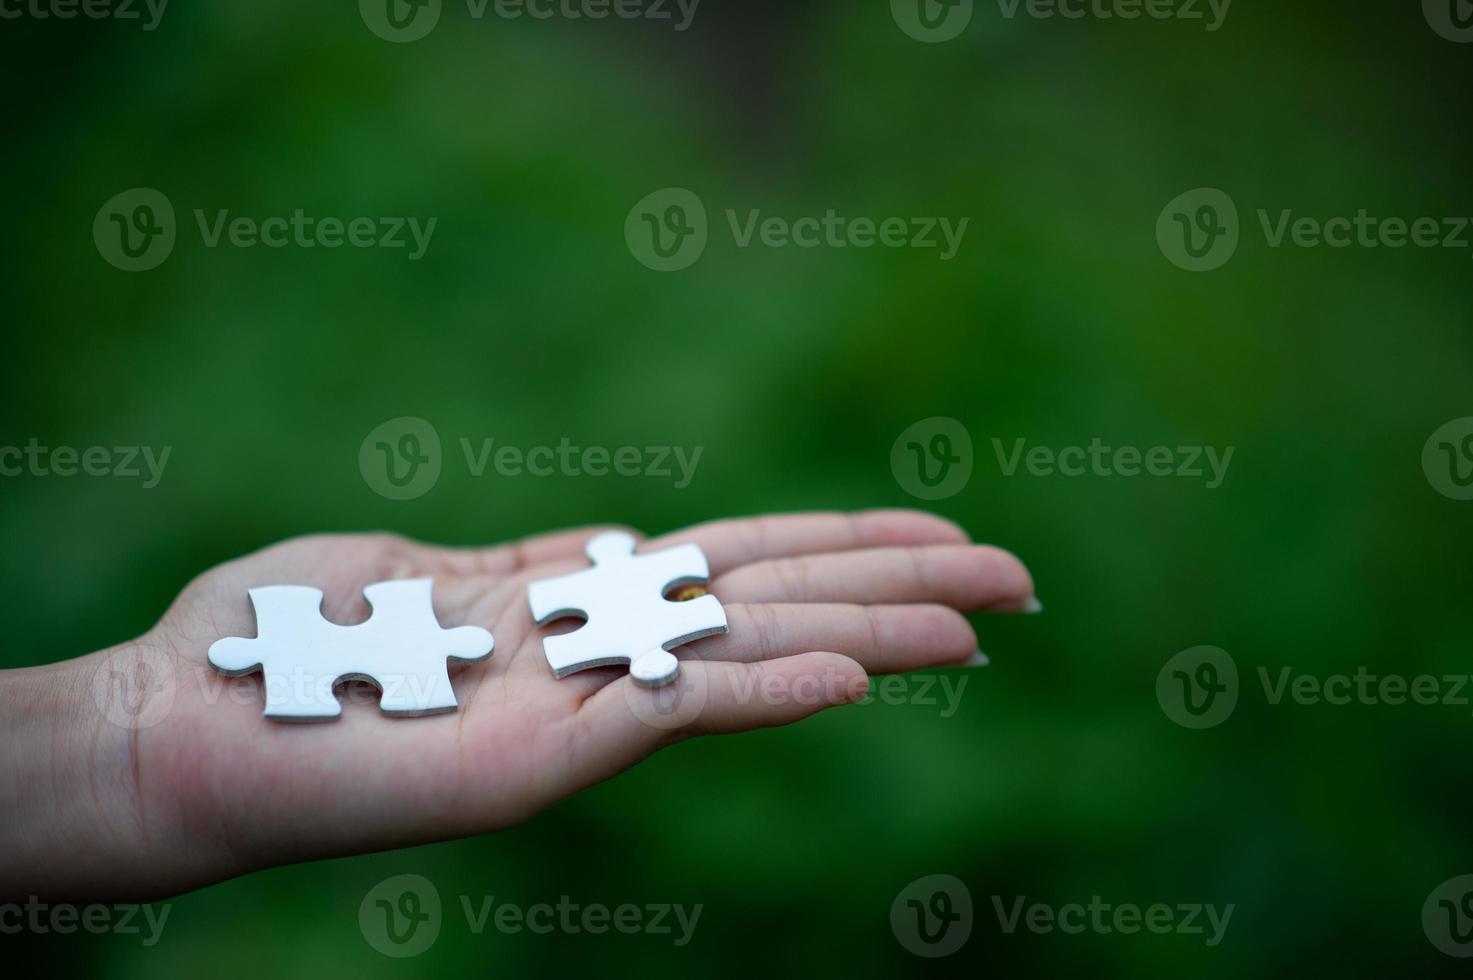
(401, 649)
(651, 664)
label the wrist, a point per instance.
(77, 824)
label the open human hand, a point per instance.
(183, 782)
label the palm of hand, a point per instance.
(885, 588)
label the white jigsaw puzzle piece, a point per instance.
(629, 619)
(401, 648)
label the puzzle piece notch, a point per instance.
(401, 648)
(629, 619)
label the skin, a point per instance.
(113, 798)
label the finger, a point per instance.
(513, 557)
(965, 577)
(625, 722)
(883, 639)
(731, 543)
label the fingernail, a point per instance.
(1031, 605)
(978, 659)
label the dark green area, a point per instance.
(527, 321)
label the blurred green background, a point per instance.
(1059, 776)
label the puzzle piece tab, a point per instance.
(629, 619)
(401, 648)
